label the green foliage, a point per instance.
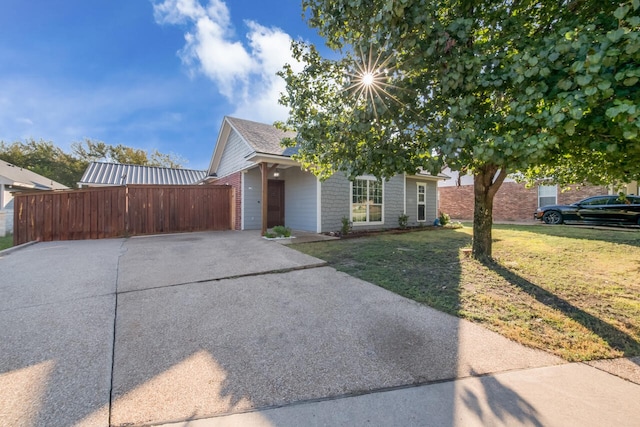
(347, 225)
(444, 218)
(487, 88)
(46, 159)
(403, 220)
(281, 231)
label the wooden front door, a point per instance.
(275, 208)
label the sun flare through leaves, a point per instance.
(369, 79)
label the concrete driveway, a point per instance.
(172, 328)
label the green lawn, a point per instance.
(572, 291)
(6, 242)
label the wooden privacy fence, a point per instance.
(104, 212)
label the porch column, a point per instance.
(265, 201)
(265, 196)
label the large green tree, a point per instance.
(484, 87)
(46, 159)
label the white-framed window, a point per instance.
(422, 202)
(547, 195)
(366, 201)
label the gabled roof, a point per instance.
(99, 173)
(259, 137)
(263, 138)
(25, 179)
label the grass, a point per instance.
(6, 242)
(571, 291)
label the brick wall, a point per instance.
(235, 180)
(513, 202)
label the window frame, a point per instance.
(368, 179)
(541, 196)
(423, 203)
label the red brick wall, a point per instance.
(513, 202)
(235, 180)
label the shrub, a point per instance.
(403, 220)
(346, 226)
(282, 231)
(444, 218)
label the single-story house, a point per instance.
(101, 174)
(15, 179)
(513, 201)
(271, 188)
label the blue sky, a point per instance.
(151, 74)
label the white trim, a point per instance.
(404, 191)
(418, 185)
(365, 223)
(221, 143)
(271, 158)
(318, 206)
(555, 187)
(242, 192)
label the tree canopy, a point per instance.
(46, 159)
(484, 87)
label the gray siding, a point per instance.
(412, 201)
(336, 203)
(300, 199)
(393, 201)
(252, 198)
(233, 156)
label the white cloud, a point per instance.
(244, 73)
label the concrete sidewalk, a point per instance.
(567, 395)
(230, 329)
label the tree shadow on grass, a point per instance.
(617, 339)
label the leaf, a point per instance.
(584, 79)
(590, 90)
(622, 11)
(615, 36)
(570, 127)
(630, 81)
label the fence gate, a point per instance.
(98, 213)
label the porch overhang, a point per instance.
(282, 161)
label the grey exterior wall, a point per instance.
(6, 222)
(252, 199)
(412, 201)
(233, 156)
(336, 203)
(300, 199)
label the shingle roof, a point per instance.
(99, 173)
(24, 178)
(263, 138)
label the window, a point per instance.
(422, 202)
(366, 201)
(547, 195)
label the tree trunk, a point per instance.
(486, 182)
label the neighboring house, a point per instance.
(100, 174)
(15, 179)
(249, 157)
(513, 201)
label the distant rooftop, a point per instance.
(99, 173)
(25, 179)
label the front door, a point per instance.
(275, 207)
